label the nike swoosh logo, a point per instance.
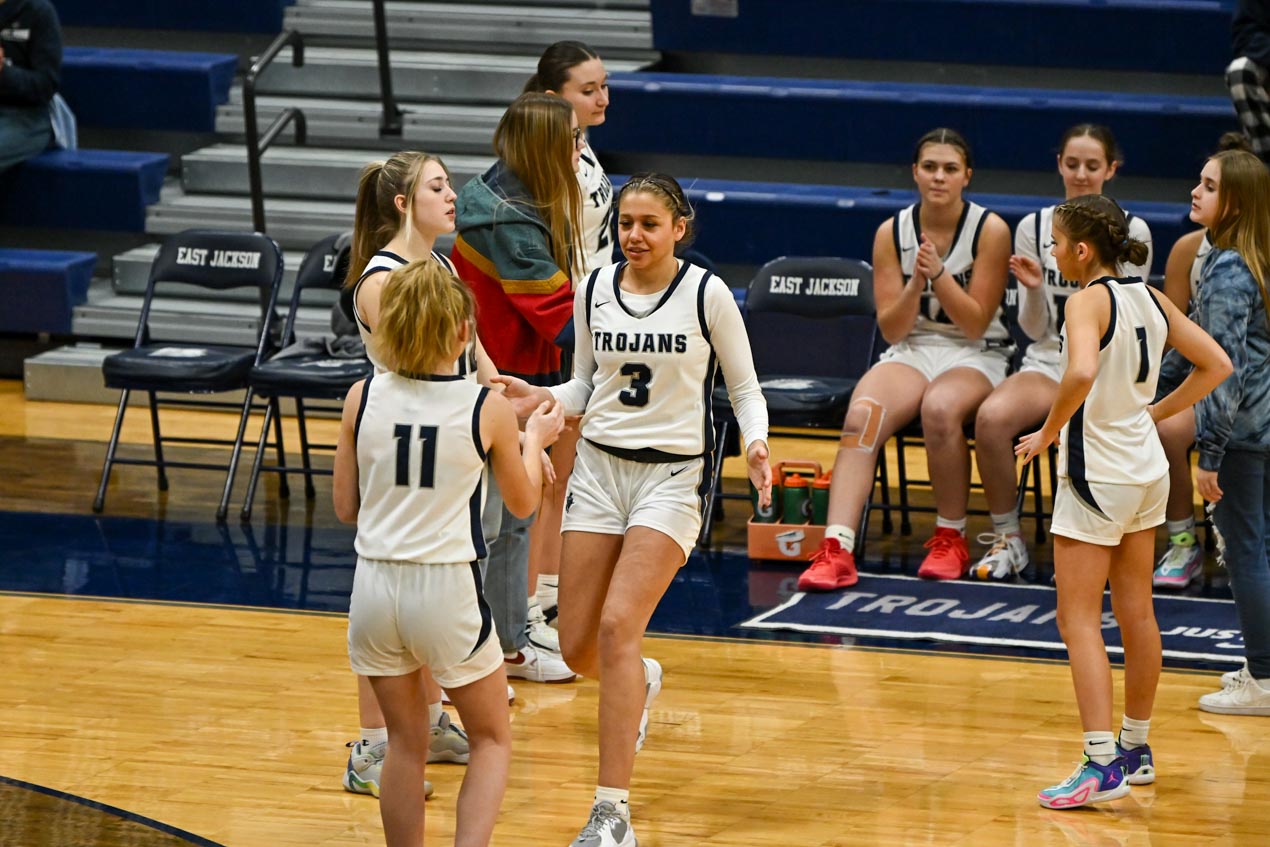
(681, 470)
(907, 249)
(601, 303)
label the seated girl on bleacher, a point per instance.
(1088, 157)
(939, 273)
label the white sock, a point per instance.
(1100, 747)
(374, 736)
(547, 590)
(1133, 734)
(942, 522)
(845, 536)
(1185, 525)
(1007, 524)
(619, 797)
(434, 713)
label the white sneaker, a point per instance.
(1006, 558)
(652, 687)
(539, 633)
(607, 828)
(445, 696)
(1244, 696)
(361, 774)
(1229, 678)
(1181, 564)
(449, 743)
(537, 665)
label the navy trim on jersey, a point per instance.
(701, 306)
(707, 403)
(487, 619)
(670, 289)
(1158, 305)
(974, 244)
(356, 314)
(1111, 323)
(476, 422)
(895, 238)
(644, 455)
(361, 408)
(392, 255)
(1076, 460)
(429, 377)
(590, 290)
(474, 504)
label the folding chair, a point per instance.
(812, 327)
(216, 261)
(304, 370)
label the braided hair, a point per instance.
(1099, 221)
(671, 195)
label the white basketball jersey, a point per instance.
(1201, 253)
(1112, 438)
(654, 374)
(597, 214)
(1056, 288)
(932, 321)
(386, 261)
(420, 469)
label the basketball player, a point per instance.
(939, 273)
(649, 331)
(403, 205)
(1088, 157)
(409, 470)
(1113, 481)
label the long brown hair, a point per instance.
(1243, 222)
(376, 219)
(423, 309)
(556, 63)
(1099, 221)
(535, 140)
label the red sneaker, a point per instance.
(949, 558)
(831, 568)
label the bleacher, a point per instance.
(791, 125)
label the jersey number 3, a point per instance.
(427, 435)
(637, 394)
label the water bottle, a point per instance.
(820, 499)
(767, 515)
(795, 499)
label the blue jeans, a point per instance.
(23, 133)
(1243, 519)
(505, 571)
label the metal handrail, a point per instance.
(257, 144)
(391, 119)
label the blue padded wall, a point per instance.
(83, 189)
(203, 15)
(1179, 36)
(1163, 136)
(146, 89)
(40, 288)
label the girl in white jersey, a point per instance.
(410, 472)
(575, 72)
(1113, 482)
(1088, 157)
(939, 273)
(403, 205)
(1183, 558)
(649, 332)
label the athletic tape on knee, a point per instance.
(866, 437)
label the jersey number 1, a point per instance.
(1144, 363)
(427, 454)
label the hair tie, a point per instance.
(1125, 243)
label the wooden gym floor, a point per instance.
(216, 724)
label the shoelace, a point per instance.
(998, 542)
(821, 556)
(938, 544)
(600, 815)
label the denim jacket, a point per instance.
(1237, 414)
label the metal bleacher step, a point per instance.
(309, 172)
(451, 77)
(428, 126)
(131, 272)
(488, 25)
(294, 224)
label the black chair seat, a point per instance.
(312, 375)
(162, 367)
(810, 401)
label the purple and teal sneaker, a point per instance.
(1089, 783)
(1139, 764)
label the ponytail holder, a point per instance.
(1125, 243)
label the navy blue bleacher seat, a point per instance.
(83, 189)
(222, 15)
(216, 261)
(41, 288)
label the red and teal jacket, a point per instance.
(524, 301)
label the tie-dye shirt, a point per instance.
(1237, 414)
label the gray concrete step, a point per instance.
(311, 172)
(484, 25)
(443, 127)
(449, 77)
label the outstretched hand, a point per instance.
(525, 398)
(1026, 270)
(545, 422)
(760, 472)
